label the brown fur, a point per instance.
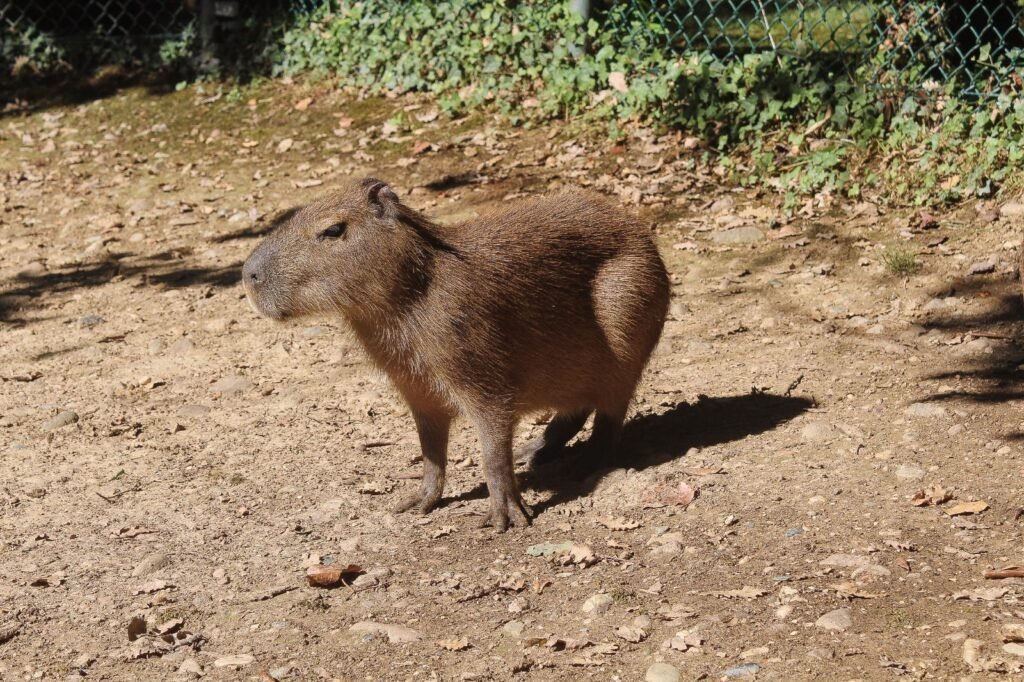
(549, 304)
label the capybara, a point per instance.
(550, 304)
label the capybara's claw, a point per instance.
(418, 502)
(511, 511)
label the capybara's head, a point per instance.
(341, 254)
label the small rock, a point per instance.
(1015, 648)
(236, 660)
(925, 410)
(816, 432)
(754, 653)
(722, 205)
(150, 564)
(838, 620)
(737, 235)
(231, 384)
(983, 268)
(907, 472)
(598, 603)
(89, 321)
(190, 666)
(280, 672)
(745, 670)
(396, 634)
(183, 346)
(63, 418)
(662, 672)
(1012, 209)
(514, 628)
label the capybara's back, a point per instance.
(550, 304)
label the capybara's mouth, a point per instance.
(264, 309)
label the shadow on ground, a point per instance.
(29, 95)
(994, 377)
(650, 440)
(27, 292)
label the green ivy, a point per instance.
(801, 124)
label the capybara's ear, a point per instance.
(381, 197)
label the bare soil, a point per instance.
(169, 457)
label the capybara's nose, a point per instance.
(252, 271)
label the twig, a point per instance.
(1006, 572)
(793, 385)
(276, 592)
(988, 335)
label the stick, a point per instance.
(1005, 572)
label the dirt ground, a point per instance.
(172, 464)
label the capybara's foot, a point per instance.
(420, 502)
(507, 510)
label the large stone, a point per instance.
(662, 672)
(836, 621)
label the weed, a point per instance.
(900, 261)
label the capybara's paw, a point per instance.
(509, 510)
(420, 502)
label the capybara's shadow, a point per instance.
(652, 439)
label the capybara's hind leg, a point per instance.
(559, 431)
(607, 434)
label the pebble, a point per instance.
(150, 564)
(190, 667)
(88, 321)
(236, 660)
(837, 621)
(182, 346)
(793, 532)
(737, 235)
(983, 268)
(598, 603)
(396, 634)
(231, 384)
(63, 418)
(817, 431)
(1012, 209)
(514, 628)
(756, 652)
(1015, 648)
(745, 670)
(662, 672)
(925, 410)
(784, 612)
(908, 472)
(280, 672)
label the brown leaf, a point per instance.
(513, 583)
(747, 592)
(332, 576)
(539, 584)
(666, 494)
(851, 590)
(631, 633)
(617, 523)
(975, 507)
(981, 594)
(933, 494)
(136, 628)
(617, 80)
(303, 104)
(345, 122)
(420, 147)
(133, 531)
(153, 586)
(454, 644)
(580, 555)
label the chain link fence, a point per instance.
(978, 44)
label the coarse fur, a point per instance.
(549, 304)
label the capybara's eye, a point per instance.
(332, 232)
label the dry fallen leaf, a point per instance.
(631, 633)
(747, 592)
(981, 594)
(153, 586)
(579, 555)
(617, 523)
(685, 640)
(975, 507)
(454, 644)
(933, 494)
(303, 104)
(851, 590)
(332, 575)
(617, 80)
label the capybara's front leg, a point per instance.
(433, 431)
